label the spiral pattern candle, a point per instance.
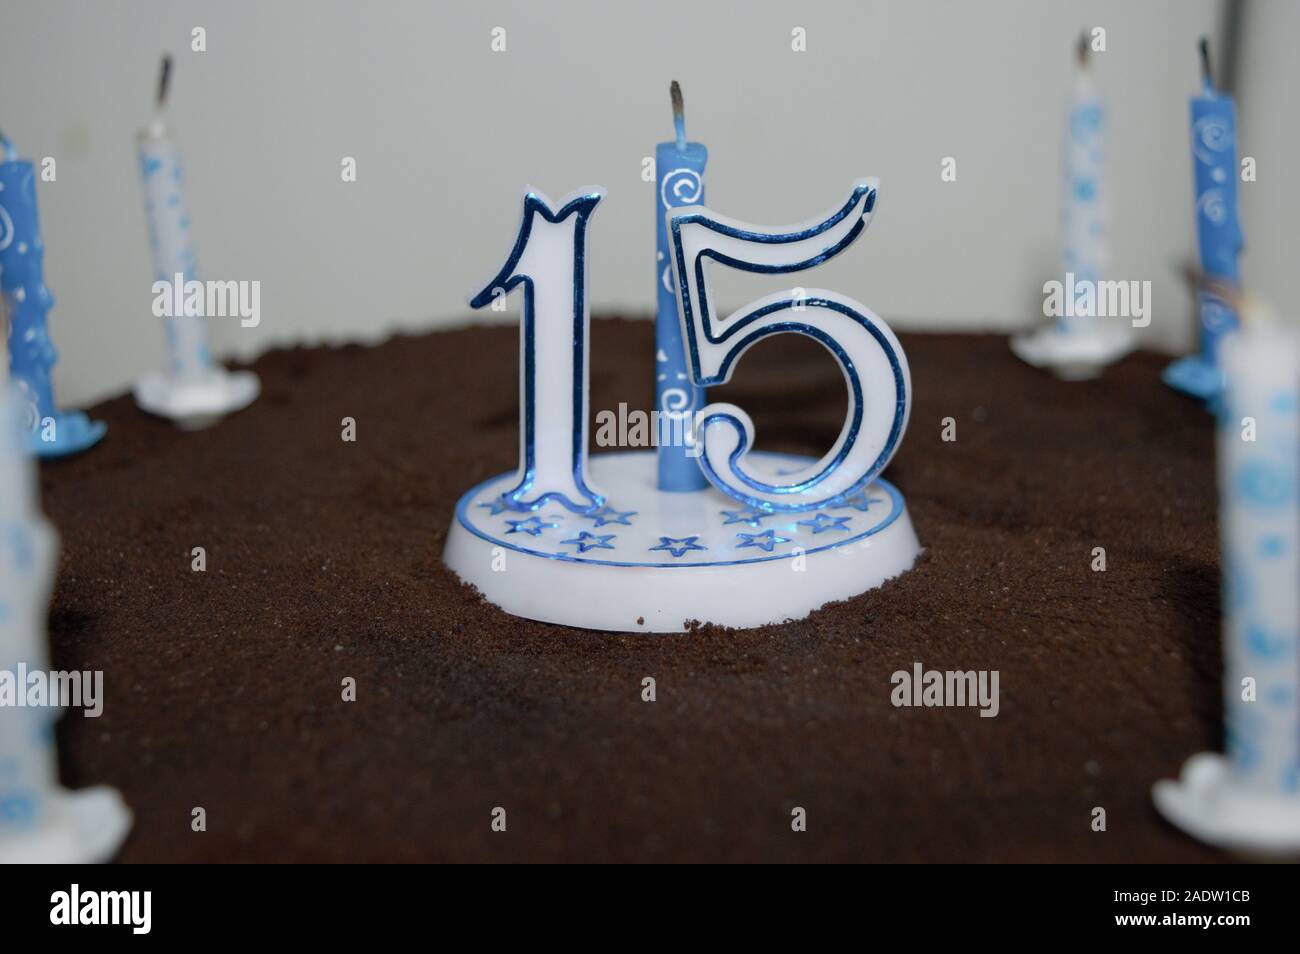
(1218, 229)
(679, 167)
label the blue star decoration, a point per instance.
(752, 516)
(496, 506)
(859, 501)
(766, 540)
(532, 526)
(592, 541)
(822, 522)
(678, 547)
(609, 515)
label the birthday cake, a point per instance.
(325, 688)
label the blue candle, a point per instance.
(1218, 231)
(679, 166)
(52, 432)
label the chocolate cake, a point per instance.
(224, 688)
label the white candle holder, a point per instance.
(595, 543)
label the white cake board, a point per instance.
(199, 400)
(1074, 356)
(83, 827)
(728, 570)
(1208, 804)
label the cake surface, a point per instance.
(223, 689)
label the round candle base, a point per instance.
(199, 400)
(1208, 804)
(1075, 356)
(1195, 376)
(70, 432)
(84, 827)
(660, 562)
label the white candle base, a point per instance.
(84, 827)
(197, 400)
(1073, 356)
(724, 572)
(1209, 804)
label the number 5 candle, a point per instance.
(51, 432)
(1251, 800)
(194, 391)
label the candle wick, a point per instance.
(1207, 72)
(679, 115)
(164, 81)
(1081, 51)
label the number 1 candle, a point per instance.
(679, 168)
(52, 433)
(1218, 230)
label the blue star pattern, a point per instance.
(859, 501)
(532, 526)
(766, 540)
(678, 547)
(592, 541)
(822, 522)
(751, 516)
(609, 515)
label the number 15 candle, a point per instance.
(603, 543)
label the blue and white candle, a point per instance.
(1259, 450)
(1218, 233)
(28, 762)
(679, 169)
(1218, 227)
(28, 302)
(169, 235)
(1085, 252)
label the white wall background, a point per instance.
(1269, 81)
(446, 133)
